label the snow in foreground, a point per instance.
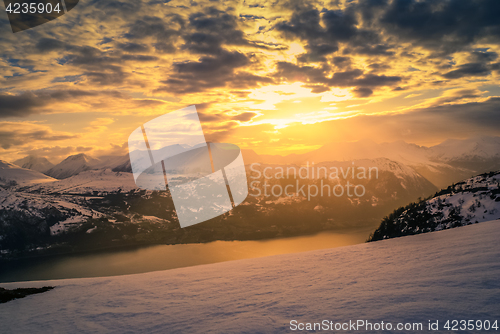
(451, 274)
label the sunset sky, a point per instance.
(278, 77)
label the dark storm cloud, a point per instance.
(341, 61)
(164, 31)
(429, 124)
(305, 25)
(65, 95)
(133, 47)
(11, 134)
(379, 27)
(376, 28)
(374, 50)
(350, 78)
(468, 70)
(99, 67)
(372, 80)
(211, 29)
(212, 72)
(208, 66)
(483, 56)
(50, 44)
(244, 117)
(139, 58)
(28, 103)
(345, 78)
(110, 8)
(89, 56)
(445, 26)
(105, 67)
(484, 114)
(291, 72)
(148, 103)
(317, 89)
(21, 105)
(108, 78)
(362, 92)
(324, 31)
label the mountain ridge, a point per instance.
(442, 164)
(33, 162)
(470, 201)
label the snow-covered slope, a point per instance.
(441, 276)
(40, 164)
(72, 165)
(88, 182)
(12, 175)
(39, 213)
(471, 201)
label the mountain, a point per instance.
(101, 181)
(12, 175)
(442, 164)
(480, 147)
(56, 217)
(480, 154)
(72, 165)
(111, 161)
(467, 202)
(40, 164)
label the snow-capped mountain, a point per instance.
(72, 165)
(89, 182)
(442, 164)
(57, 217)
(12, 175)
(40, 164)
(111, 161)
(483, 147)
(467, 202)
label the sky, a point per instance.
(278, 77)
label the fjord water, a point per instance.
(163, 257)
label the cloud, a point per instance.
(21, 105)
(326, 31)
(444, 26)
(45, 45)
(454, 96)
(17, 134)
(48, 101)
(477, 115)
(133, 47)
(362, 92)
(163, 31)
(212, 72)
(468, 70)
(350, 78)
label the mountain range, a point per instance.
(12, 175)
(86, 203)
(442, 164)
